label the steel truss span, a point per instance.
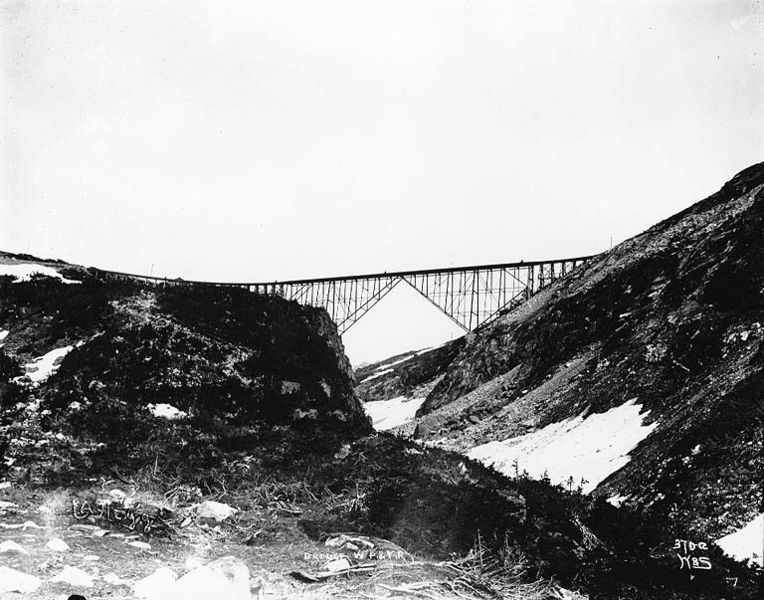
(469, 296)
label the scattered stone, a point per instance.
(84, 527)
(57, 545)
(11, 547)
(227, 577)
(74, 577)
(349, 542)
(25, 525)
(214, 511)
(338, 564)
(157, 586)
(140, 545)
(289, 387)
(339, 415)
(166, 411)
(298, 414)
(100, 532)
(343, 452)
(12, 580)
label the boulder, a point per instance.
(57, 545)
(11, 547)
(157, 586)
(226, 578)
(214, 511)
(140, 545)
(75, 577)
(12, 580)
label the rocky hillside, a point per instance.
(129, 352)
(150, 432)
(639, 378)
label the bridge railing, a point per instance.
(470, 296)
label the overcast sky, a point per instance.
(272, 140)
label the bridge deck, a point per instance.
(470, 296)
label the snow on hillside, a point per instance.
(376, 374)
(25, 271)
(587, 448)
(43, 367)
(387, 414)
(617, 500)
(166, 411)
(3, 335)
(747, 543)
(386, 368)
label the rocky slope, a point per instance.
(127, 412)
(639, 378)
(217, 357)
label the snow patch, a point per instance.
(747, 543)
(375, 375)
(399, 361)
(3, 334)
(386, 414)
(25, 271)
(46, 365)
(166, 411)
(586, 448)
(617, 500)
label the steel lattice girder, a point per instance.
(470, 296)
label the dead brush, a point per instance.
(347, 500)
(183, 495)
(480, 575)
(275, 497)
(356, 501)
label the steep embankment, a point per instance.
(640, 376)
(131, 355)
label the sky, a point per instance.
(260, 141)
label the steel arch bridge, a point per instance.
(469, 296)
